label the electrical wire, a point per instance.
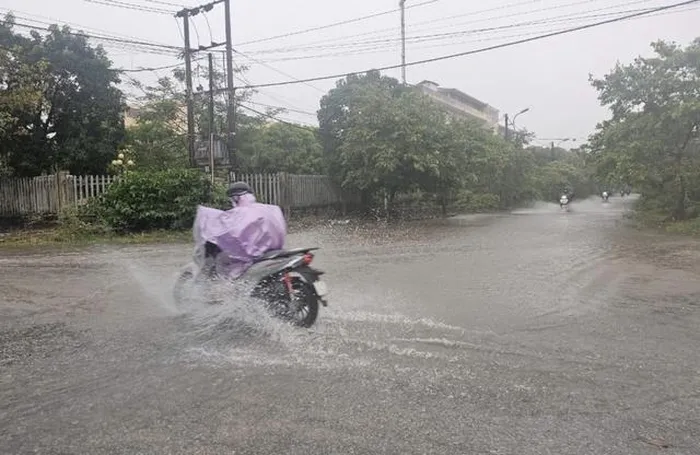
(484, 49)
(540, 26)
(160, 2)
(336, 24)
(52, 21)
(142, 69)
(297, 111)
(394, 39)
(131, 6)
(277, 70)
(272, 117)
(420, 38)
(105, 38)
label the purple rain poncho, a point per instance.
(243, 233)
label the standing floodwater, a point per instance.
(535, 332)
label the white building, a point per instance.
(462, 104)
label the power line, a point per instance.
(335, 24)
(437, 36)
(389, 39)
(297, 111)
(160, 2)
(384, 30)
(130, 6)
(52, 21)
(105, 38)
(483, 49)
(277, 70)
(371, 49)
(272, 117)
(158, 68)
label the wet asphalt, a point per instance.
(535, 332)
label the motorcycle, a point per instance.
(564, 203)
(605, 196)
(283, 280)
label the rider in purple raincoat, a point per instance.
(243, 233)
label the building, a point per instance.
(461, 104)
(131, 116)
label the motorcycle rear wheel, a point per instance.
(303, 307)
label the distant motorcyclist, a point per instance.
(564, 200)
(605, 196)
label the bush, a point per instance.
(80, 222)
(477, 202)
(148, 200)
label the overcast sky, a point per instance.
(549, 76)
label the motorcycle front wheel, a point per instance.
(185, 278)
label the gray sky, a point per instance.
(549, 76)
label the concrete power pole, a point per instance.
(231, 107)
(212, 119)
(506, 125)
(188, 84)
(185, 14)
(402, 5)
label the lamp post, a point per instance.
(512, 122)
(516, 116)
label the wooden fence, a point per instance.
(292, 191)
(49, 194)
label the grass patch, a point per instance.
(688, 227)
(59, 236)
(660, 221)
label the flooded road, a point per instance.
(536, 332)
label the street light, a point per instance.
(516, 116)
(512, 122)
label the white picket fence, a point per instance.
(294, 191)
(86, 187)
(49, 194)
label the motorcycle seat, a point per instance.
(280, 254)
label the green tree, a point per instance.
(21, 91)
(76, 123)
(339, 105)
(159, 136)
(652, 139)
(281, 147)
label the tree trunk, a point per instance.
(679, 212)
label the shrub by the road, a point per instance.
(149, 200)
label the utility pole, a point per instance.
(185, 14)
(231, 108)
(212, 120)
(506, 133)
(402, 5)
(188, 84)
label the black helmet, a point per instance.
(238, 189)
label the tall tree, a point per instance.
(653, 137)
(339, 104)
(76, 123)
(282, 147)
